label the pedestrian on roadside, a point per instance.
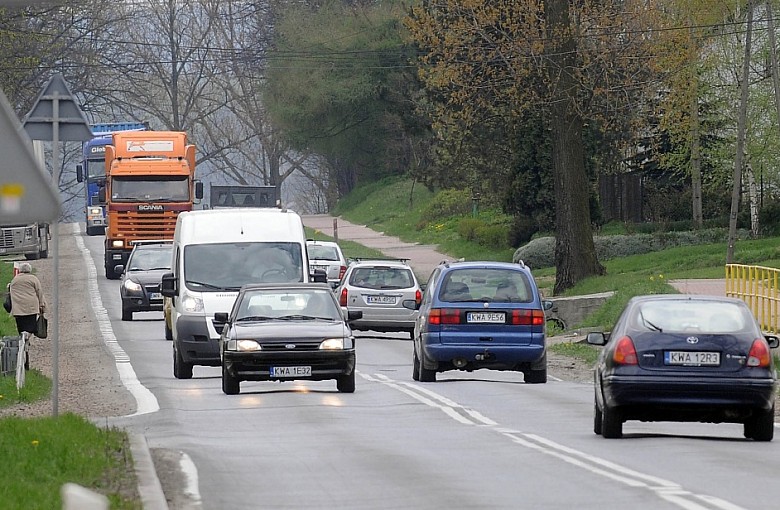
(27, 299)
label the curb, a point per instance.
(149, 487)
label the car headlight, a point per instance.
(131, 286)
(192, 304)
(332, 344)
(117, 243)
(95, 211)
(243, 346)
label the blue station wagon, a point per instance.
(480, 315)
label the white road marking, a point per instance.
(662, 488)
(145, 400)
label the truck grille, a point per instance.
(7, 239)
(133, 225)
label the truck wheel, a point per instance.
(168, 331)
(44, 251)
(32, 256)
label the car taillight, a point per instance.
(342, 270)
(343, 297)
(759, 355)
(440, 316)
(417, 297)
(625, 352)
(527, 318)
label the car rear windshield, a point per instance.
(686, 316)
(148, 259)
(491, 285)
(382, 278)
(319, 252)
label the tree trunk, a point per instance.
(575, 252)
(698, 219)
(753, 197)
(741, 121)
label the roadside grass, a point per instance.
(395, 207)
(42, 454)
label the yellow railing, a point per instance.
(759, 287)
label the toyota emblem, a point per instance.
(692, 340)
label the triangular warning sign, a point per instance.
(71, 123)
(26, 191)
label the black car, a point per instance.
(139, 285)
(285, 332)
(684, 358)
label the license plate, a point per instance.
(380, 300)
(694, 359)
(155, 295)
(486, 317)
(117, 256)
(290, 371)
(320, 268)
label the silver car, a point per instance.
(326, 256)
(378, 288)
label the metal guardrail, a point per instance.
(759, 287)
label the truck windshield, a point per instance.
(231, 265)
(96, 168)
(150, 190)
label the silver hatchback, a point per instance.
(378, 287)
(326, 256)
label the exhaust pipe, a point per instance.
(459, 362)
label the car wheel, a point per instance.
(127, 315)
(230, 385)
(597, 419)
(425, 374)
(168, 331)
(181, 370)
(611, 423)
(346, 383)
(761, 426)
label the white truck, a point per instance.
(30, 240)
(215, 252)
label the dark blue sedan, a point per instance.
(684, 358)
(480, 315)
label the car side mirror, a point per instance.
(169, 285)
(79, 173)
(597, 338)
(773, 341)
(319, 276)
(119, 269)
(547, 304)
(411, 304)
(221, 317)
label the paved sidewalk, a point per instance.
(423, 258)
(714, 287)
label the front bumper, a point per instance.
(194, 341)
(256, 366)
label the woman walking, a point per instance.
(27, 301)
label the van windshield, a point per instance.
(225, 266)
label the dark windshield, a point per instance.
(135, 190)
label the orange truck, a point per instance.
(150, 179)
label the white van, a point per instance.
(215, 252)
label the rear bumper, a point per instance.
(681, 400)
(485, 355)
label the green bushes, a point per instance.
(540, 252)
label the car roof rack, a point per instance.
(377, 259)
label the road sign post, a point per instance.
(56, 116)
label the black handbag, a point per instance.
(7, 302)
(43, 327)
